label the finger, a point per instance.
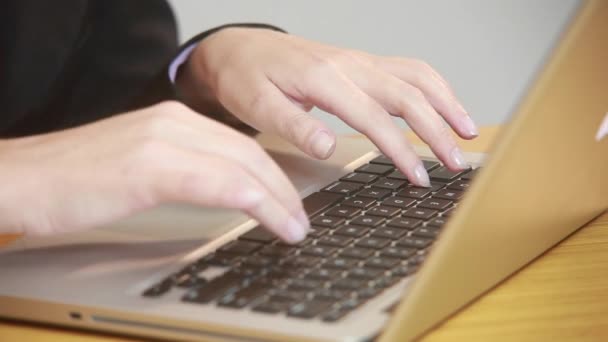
(192, 131)
(435, 89)
(408, 102)
(170, 174)
(268, 109)
(334, 93)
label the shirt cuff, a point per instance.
(181, 58)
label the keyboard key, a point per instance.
(365, 273)
(302, 261)
(383, 211)
(416, 260)
(340, 263)
(443, 174)
(343, 211)
(403, 270)
(427, 232)
(377, 169)
(382, 263)
(350, 304)
(305, 284)
(397, 175)
(397, 252)
(357, 177)
(309, 309)
(349, 284)
(399, 202)
(357, 253)
(158, 289)
(375, 193)
(420, 213)
(368, 221)
(389, 233)
(368, 292)
(303, 243)
(430, 164)
(249, 271)
(353, 231)
(385, 282)
(271, 307)
(317, 231)
(319, 201)
(359, 202)
(404, 223)
(215, 288)
(390, 184)
(334, 240)
(448, 212)
(223, 259)
(373, 242)
(318, 251)
(259, 234)
(382, 159)
(414, 192)
(453, 195)
(435, 204)
(460, 185)
(324, 274)
(327, 221)
(344, 188)
(334, 315)
(468, 175)
(437, 222)
(259, 261)
(414, 242)
(244, 297)
(278, 275)
(189, 280)
(436, 186)
(240, 247)
(330, 294)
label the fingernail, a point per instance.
(323, 145)
(422, 176)
(458, 158)
(469, 126)
(303, 219)
(295, 231)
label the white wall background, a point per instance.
(487, 49)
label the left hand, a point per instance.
(270, 80)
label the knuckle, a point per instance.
(416, 94)
(171, 106)
(258, 102)
(222, 84)
(146, 152)
(422, 65)
(292, 126)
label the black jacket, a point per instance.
(67, 62)
(64, 63)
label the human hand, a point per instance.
(270, 80)
(87, 176)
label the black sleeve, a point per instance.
(161, 88)
(120, 64)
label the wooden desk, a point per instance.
(562, 296)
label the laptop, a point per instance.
(385, 260)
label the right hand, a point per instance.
(95, 174)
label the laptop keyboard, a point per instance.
(369, 230)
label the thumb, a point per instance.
(291, 121)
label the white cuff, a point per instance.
(179, 60)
